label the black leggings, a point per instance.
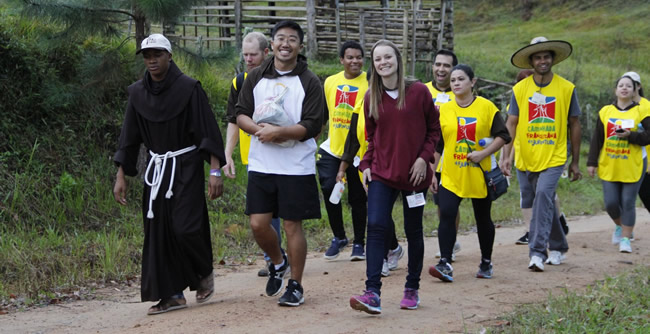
(449, 202)
(644, 192)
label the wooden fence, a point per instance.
(417, 27)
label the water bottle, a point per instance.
(485, 141)
(335, 197)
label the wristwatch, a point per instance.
(215, 172)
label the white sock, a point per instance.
(278, 266)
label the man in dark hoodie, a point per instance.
(281, 161)
(169, 112)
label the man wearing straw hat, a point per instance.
(546, 103)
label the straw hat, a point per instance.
(562, 51)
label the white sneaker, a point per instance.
(624, 246)
(385, 272)
(536, 263)
(616, 236)
(555, 258)
(394, 256)
(453, 253)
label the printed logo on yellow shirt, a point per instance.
(346, 97)
(465, 135)
(541, 117)
(616, 148)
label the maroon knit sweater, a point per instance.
(399, 137)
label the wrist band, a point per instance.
(215, 172)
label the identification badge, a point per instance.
(356, 161)
(415, 200)
(539, 98)
(442, 98)
(627, 123)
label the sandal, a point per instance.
(166, 305)
(206, 289)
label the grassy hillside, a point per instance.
(608, 37)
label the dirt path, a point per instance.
(239, 305)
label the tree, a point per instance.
(84, 18)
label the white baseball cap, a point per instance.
(635, 76)
(155, 41)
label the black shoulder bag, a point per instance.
(496, 182)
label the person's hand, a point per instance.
(229, 168)
(119, 190)
(215, 187)
(418, 171)
(434, 184)
(340, 175)
(367, 178)
(624, 134)
(574, 171)
(591, 170)
(268, 133)
(475, 156)
(505, 166)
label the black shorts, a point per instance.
(291, 197)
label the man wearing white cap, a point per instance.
(644, 190)
(169, 113)
(546, 103)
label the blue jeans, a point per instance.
(275, 222)
(381, 199)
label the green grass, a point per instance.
(617, 304)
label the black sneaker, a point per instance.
(276, 278)
(565, 226)
(293, 296)
(523, 240)
(442, 271)
(484, 269)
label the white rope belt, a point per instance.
(159, 162)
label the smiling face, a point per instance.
(384, 60)
(253, 55)
(625, 89)
(286, 46)
(441, 70)
(157, 63)
(542, 62)
(460, 83)
(352, 62)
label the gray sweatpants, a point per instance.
(620, 199)
(545, 229)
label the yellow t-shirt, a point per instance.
(543, 122)
(439, 98)
(244, 137)
(341, 96)
(645, 105)
(620, 161)
(461, 127)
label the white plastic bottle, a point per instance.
(335, 197)
(485, 141)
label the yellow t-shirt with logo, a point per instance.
(645, 105)
(620, 161)
(341, 96)
(244, 137)
(461, 127)
(543, 122)
(439, 99)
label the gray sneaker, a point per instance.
(394, 256)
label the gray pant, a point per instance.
(620, 199)
(545, 228)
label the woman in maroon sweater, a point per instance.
(402, 128)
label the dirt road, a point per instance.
(467, 305)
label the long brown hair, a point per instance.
(375, 85)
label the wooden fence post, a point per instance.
(238, 27)
(443, 13)
(338, 26)
(416, 5)
(405, 37)
(312, 46)
(362, 29)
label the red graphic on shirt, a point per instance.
(613, 124)
(542, 113)
(466, 130)
(346, 96)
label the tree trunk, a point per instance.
(140, 27)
